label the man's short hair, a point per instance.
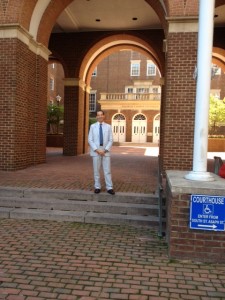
(100, 111)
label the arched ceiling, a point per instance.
(94, 15)
(219, 19)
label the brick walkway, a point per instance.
(42, 260)
(134, 169)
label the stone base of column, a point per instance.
(199, 176)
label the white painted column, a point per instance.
(205, 41)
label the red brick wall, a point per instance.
(113, 73)
(41, 110)
(186, 243)
(162, 121)
(7, 103)
(22, 106)
(179, 102)
(182, 7)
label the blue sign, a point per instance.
(207, 212)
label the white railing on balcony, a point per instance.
(130, 97)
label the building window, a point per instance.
(155, 90)
(151, 68)
(53, 66)
(52, 84)
(130, 90)
(94, 74)
(135, 68)
(215, 70)
(92, 101)
(142, 90)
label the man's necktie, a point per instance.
(101, 135)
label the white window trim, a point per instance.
(95, 104)
(52, 84)
(135, 62)
(150, 62)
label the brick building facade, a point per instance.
(127, 86)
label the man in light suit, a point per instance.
(100, 139)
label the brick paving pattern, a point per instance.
(132, 171)
(52, 260)
(43, 260)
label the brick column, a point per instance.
(86, 119)
(23, 94)
(162, 119)
(74, 117)
(184, 242)
(179, 101)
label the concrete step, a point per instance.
(78, 195)
(79, 206)
(82, 217)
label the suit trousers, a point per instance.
(105, 162)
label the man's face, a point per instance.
(100, 117)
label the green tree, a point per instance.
(55, 114)
(216, 113)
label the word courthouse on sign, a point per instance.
(207, 212)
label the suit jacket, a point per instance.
(94, 139)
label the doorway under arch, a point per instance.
(156, 129)
(119, 128)
(139, 129)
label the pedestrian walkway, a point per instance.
(134, 169)
(43, 260)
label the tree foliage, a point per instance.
(216, 113)
(55, 113)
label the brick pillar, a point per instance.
(179, 101)
(86, 118)
(74, 117)
(41, 110)
(162, 119)
(22, 100)
(184, 242)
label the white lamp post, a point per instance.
(58, 99)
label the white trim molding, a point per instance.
(182, 24)
(15, 31)
(74, 82)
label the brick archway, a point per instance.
(181, 8)
(112, 44)
(104, 48)
(219, 57)
(55, 7)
